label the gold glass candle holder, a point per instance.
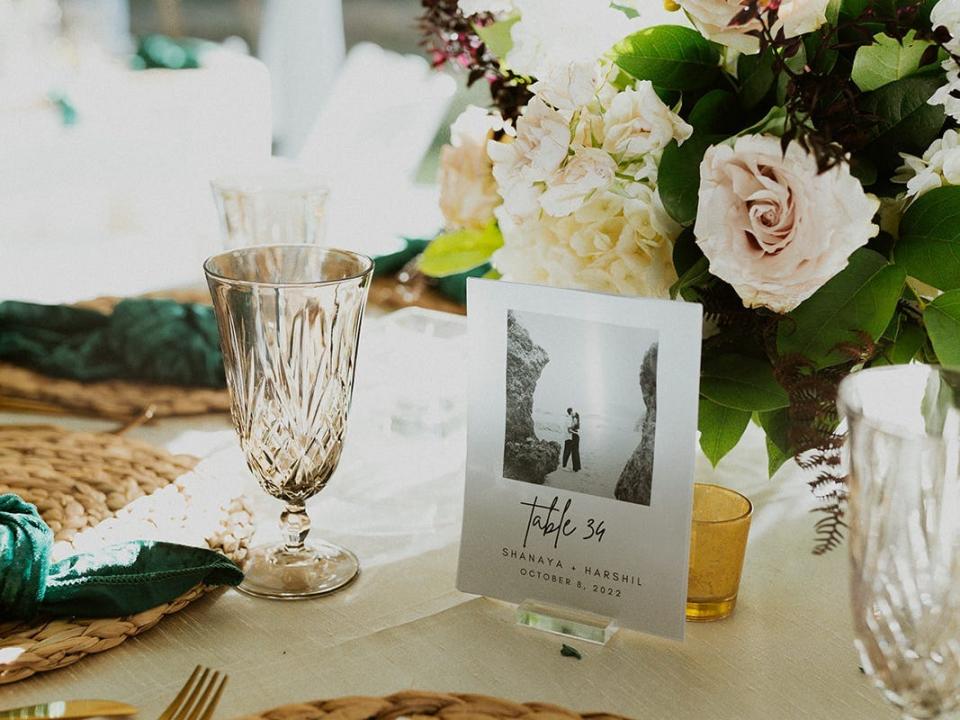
(721, 523)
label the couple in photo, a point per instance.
(571, 446)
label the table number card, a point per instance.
(581, 444)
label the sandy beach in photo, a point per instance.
(605, 446)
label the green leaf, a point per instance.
(775, 458)
(626, 10)
(773, 123)
(860, 298)
(716, 113)
(942, 318)
(756, 76)
(496, 36)
(686, 252)
(929, 244)
(671, 56)
(887, 60)
(797, 63)
(905, 347)
(720, 429)
(742, 383)
(713, 118)
(906, 122)
(833, 11)
(776, 425)
(460, 251)
(679, 175)
(697, 273)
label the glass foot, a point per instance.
(272, 571)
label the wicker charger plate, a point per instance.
(95, 489)
(23, 389)
(420, 704)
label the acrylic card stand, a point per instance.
(578, 624)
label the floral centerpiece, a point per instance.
(793, 165)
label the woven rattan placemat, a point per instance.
(421, 704)
(94, 489)
(23, 389)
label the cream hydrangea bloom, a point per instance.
(468, 191)
(774, 227)
(620, 241)
(712, 18)
(939, 166)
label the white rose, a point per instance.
(554, 33)
(589, 170)
(468, 191)
(568, 87)
(772, 226)
(617, 242)
(497, 7)
(712, 18)
(541, 144)
(637, 123)
(946, 13)
(939, 166)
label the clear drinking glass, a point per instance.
(276, 203)
(289, 319)
(718, 542)
(903, 450)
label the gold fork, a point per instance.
(197, 701)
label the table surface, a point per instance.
(396, 500)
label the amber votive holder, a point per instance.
(718, 541)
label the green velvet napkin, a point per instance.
(118, 580)
(163, 51)
(160, 341)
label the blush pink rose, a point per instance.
(772, 226)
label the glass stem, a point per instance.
(295, 526)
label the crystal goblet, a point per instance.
(904, 455)
(289, 319)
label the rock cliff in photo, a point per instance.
(525, 456)
(637, 476)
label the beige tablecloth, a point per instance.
(786, 653)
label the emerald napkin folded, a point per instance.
(160, 341)
(118, 580)
(163, 51)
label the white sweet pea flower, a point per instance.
(540, 146)
(712, 18)
(468, 191)
(474, 7)
(946, 13)
(948, 94)
(638, 123)
(939, 166)
(774, 227)
(589, 170)
(569, 86)
(553, 34)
